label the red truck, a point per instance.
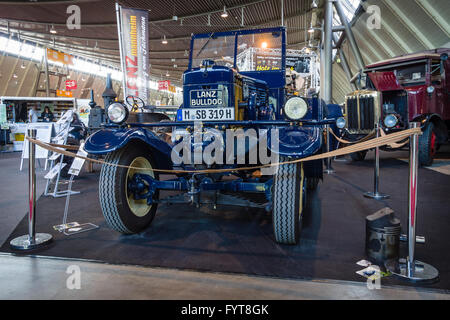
(413, 87)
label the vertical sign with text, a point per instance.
(133, 41)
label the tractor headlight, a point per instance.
(295, 108)
(117, 113)
(340, 123)
(390, 121)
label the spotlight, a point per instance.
(167, 74)
(164, 40)
(314, 4)
(53, 30)
(224, 13)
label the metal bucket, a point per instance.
(382, 236)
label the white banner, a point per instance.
(134, 51)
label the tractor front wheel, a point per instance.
(288, 202)
(121, 210)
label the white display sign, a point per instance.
(44, 134)
(78, 163)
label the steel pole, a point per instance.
(409, 268)
(329, 169)
(32, 187)
(31, 240)
(328, 52)
(376, 175)
(349, 34)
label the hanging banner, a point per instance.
(63, 93)
(71, 84)
(133, 41)
(163, 85)
(61, 57)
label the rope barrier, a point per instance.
(393, 145)
(361, 146)
(370, 135)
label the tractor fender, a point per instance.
(297, 142)
(109, 140)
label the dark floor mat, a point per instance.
(240, 240)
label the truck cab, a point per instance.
(397, 91)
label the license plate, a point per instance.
(206, 114)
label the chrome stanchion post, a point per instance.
(376, 177)
(409, 268)
(32, 240)
(329, 169)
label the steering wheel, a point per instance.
(136, 103)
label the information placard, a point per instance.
(78, 163)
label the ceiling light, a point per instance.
(14, 76)
(22, 65)
(167, 74)
(224, 13)
(314, 4)
(264, 45)
(53, 30)
(164, 40)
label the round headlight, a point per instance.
(295, 108)
(390, 121)
(340, 123)
(430, 89)
(117, 113)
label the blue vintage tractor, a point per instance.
(235, 82)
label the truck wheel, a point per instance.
(358, 156)
(121, 211)
(427, 146)
(287, 202)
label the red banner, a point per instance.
(164, 85)
(71, 84)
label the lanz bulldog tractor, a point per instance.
(410, 88)
(225, 98)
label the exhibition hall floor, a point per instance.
(229, 253)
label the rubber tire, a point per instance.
(358, 156)
(312, 183)
(287, 203)
(113, 200)
(425, 156)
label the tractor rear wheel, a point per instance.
(288, 202)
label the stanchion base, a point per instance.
(421, 271)
(329, 171)
(376, 195)
(23, 242)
